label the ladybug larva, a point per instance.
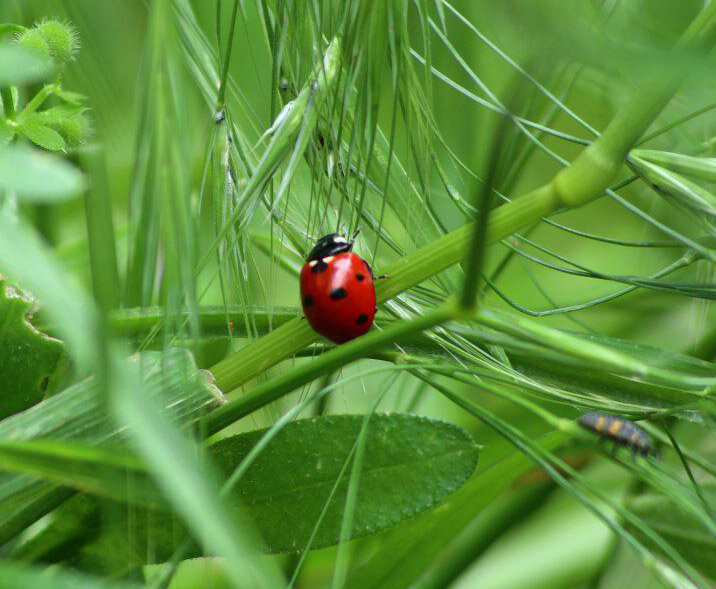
(621, 431)
(337, 291)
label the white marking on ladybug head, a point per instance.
(312, 263)
(340, 239)
(328, 259)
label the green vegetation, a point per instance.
(537, 183)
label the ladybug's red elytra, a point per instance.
(337, 291)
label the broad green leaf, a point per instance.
(411, 463)
(37, 177)
(79, 413)
(42, 135)
(14, 576)
(29, 357)
(9, 28)
(19, 66)
(683, 530)
(400, 555)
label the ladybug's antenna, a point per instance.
(355, 234)
(307, 235)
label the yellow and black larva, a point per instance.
(621, 431)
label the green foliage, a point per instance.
(30, 356)
(295, 490)
(33, 40)
(553, 165)
(685, 531)
(13, 576)
(61, 39)
(20, 65)
(78, 414)
(301, 479)
(46, 179)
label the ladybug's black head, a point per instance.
(329, 245)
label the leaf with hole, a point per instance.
(29, 357)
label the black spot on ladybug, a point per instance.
(359, 277)
(319, 266)
(307, 301)
(339, 293)
(361, 319)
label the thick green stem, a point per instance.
(585, 179)
(410, 270)
(270, 391)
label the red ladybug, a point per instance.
(337, 290)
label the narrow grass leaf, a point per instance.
(191, 486)
(700, 168)
(19, 66)
(73, 523)
(402, 553)
(14, 575)
(111, 473)
(676, 188)
(79, 413)
(36, 176)
(683, 530)
(29, 262)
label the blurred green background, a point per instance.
(590, 53)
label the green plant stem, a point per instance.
(227, 58)
(442, 253)
(7, 102)
(586, 178)
(36, 101)
(270, 391)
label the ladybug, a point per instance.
(337, 291)
(621, 431)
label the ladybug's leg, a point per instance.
(373, 276)
(614, 449)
